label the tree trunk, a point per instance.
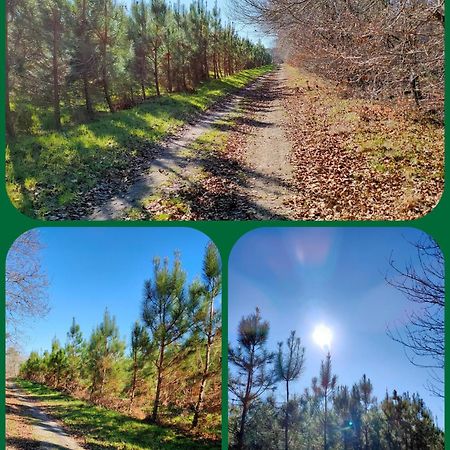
(144, 97)
(155, 70)
(240, 440)
(87, 98)
(201, 394)
(133, 384)
(56, 105)
(154, 416)
(286, 418)
(245, 404)
(9, 119)
(169, 73)
(104, 56)
(325, 424)
(106, 91)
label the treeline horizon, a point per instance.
(172, 366)
(78, 57)
(326, 415)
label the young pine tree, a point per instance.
(167, 312)
(324, 389)
(75, 348)
(105, 351)
(288, 367)
(158, 9)
(138, 33)
(140, 349)
(366, 390)
(84, 55)
(208, 320)
(252, 360)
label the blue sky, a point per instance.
(302, 277)
(90, 269)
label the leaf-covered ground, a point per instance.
(100, 428)
(60, 175)
(350, 159)
(359, 160)
(19, 427)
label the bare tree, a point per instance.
(379, 49)
(422, 283)
(26, 283)
(13, 360)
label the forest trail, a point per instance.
(264, 170)
(267, 151)
(171, 161)
(46, 433)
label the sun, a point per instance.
(322, 336)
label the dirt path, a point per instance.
(170, 160)
(46, 434)
(268, 151)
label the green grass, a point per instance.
(48, 170)
(106, 429)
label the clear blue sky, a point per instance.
(303, 277)
(90, 269)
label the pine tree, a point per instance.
(208, 320)
(53, 17)
(84, 61)
(289, 367)
(158, 9)
(140, 349)
(167, 313)
(324, 388)
(105, 351)
(56, 364)
(252, 361)
(138, 29)
(75, 349)
(366, 389)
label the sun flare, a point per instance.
(322, 336)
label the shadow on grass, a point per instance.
(53, 170)
(110, 429)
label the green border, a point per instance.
(224, 234)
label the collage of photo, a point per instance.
(225, 225)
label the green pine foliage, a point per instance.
(326, 415)
(93, 84)
(169, 373)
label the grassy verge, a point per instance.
(52, 170)
(102, 428)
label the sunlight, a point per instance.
(322, 336)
